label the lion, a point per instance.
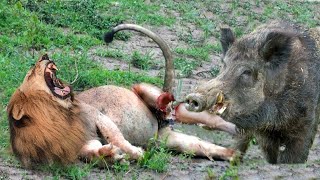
(49, 124)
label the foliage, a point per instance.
(214, 71)
(185, 66)
(111, 53)
(76, 171)
(232, 171)
(141, 61)
(156, 156)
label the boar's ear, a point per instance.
(227, 38)
(276, 47)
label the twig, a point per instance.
(148, 46)
(77, 75)
(129, 171)
(164, 176)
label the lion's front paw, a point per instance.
(136, 153)
(236, 157)
(110, 150)
(221, 153)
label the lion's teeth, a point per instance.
(220, 111)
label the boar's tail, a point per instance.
(169, 70)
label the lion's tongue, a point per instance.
(62, 92)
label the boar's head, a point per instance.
(259, 67)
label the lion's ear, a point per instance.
(17, 111)
(44, 57)
(16, 105)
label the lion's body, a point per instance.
(136, 122)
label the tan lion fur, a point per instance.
(43, 128)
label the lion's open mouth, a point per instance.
(56, 86)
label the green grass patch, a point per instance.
(156, 156)
(111, 53)
(142, 61)
(232, 171)
(77, 171)
(185, 66)
(200, 53)
(196, 53)
(23, 29)
(94, 16)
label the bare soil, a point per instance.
(253, 166)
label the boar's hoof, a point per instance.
(195, 102)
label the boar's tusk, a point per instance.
(220, 98)
(220, 111)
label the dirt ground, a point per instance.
(253, 166)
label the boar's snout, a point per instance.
(198, 102)
(195, 102)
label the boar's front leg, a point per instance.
(296, 148)
(186, 143)
(243, 142)
(270, 147)
(284, 148)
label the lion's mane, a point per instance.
(44, 130)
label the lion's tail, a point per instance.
(169, 71)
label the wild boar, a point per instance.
(269, 88)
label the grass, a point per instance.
(77, 171)
(141, 61)
(156, 157)
(232, 171)
(68, 30)
(185, 66)
(111, 53)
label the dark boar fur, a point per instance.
(270, 83)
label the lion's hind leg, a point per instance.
(191, 144)
(110, 132)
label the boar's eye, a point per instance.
(247, 72)
(246, 78)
